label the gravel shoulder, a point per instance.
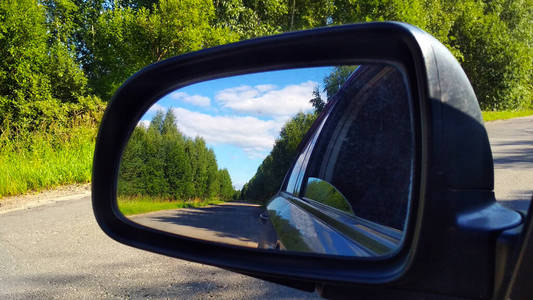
(35, 199)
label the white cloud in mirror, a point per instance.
(256, 137)
(197, 100)
(266, 100)
(157, 107)
(143, 123)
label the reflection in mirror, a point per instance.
(323, 192)
(312, 160)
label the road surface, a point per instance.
(512, 149)
(230, 223)
(56, 250)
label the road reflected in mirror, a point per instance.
(316, 160)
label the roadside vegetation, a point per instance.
(134, 205)
(47, 162)
(505, 114)
(62, 60)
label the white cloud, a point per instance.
(267, 100)
(256, 137)
(157, 107)
(265, 87)
(144, 123)
(192, 99)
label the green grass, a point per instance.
(503, 115)
(44, 160)
(133, 205)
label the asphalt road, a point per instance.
(57, 250)
(512, 149)
(229, 223)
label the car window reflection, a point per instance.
(323, 192)
(366, 149)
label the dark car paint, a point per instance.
(298, 230)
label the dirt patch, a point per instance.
(34, 199)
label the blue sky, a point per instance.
(241, 116)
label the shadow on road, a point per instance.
(228, 220)
(512, 154)
(232, 223)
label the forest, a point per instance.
(62, 60)
(162, 163)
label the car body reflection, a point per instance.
(349, 188)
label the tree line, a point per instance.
(491, 38)
(160, 161)
(59, 57)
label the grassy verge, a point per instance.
(132, 205)
(44, 160)
(503, 115)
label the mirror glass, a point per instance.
(313, 160)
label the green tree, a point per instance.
(253, 18)
(23, 48)
(213, 181)
(154, 179)
(168, 126)
(200, 158)
(160, 161)
(491, 38)
(317, 101)
(125, 39)
(38, 73)
(226, 188)
(495, 43)
(334, 81)
(269, 176)
(137, 4)
(133, 163)
(67, 80)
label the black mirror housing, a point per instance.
(453, 217)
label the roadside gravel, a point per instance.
(35, 199)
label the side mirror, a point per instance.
(390, 189)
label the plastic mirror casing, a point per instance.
(453, 223)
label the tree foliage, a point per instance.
(56, 52)
(125, 39)
(41, 85)
(160, 161)
(334, 81)
(494, 38)
(23, 48)
(269, 176)
(491, 38)
(317, 101)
